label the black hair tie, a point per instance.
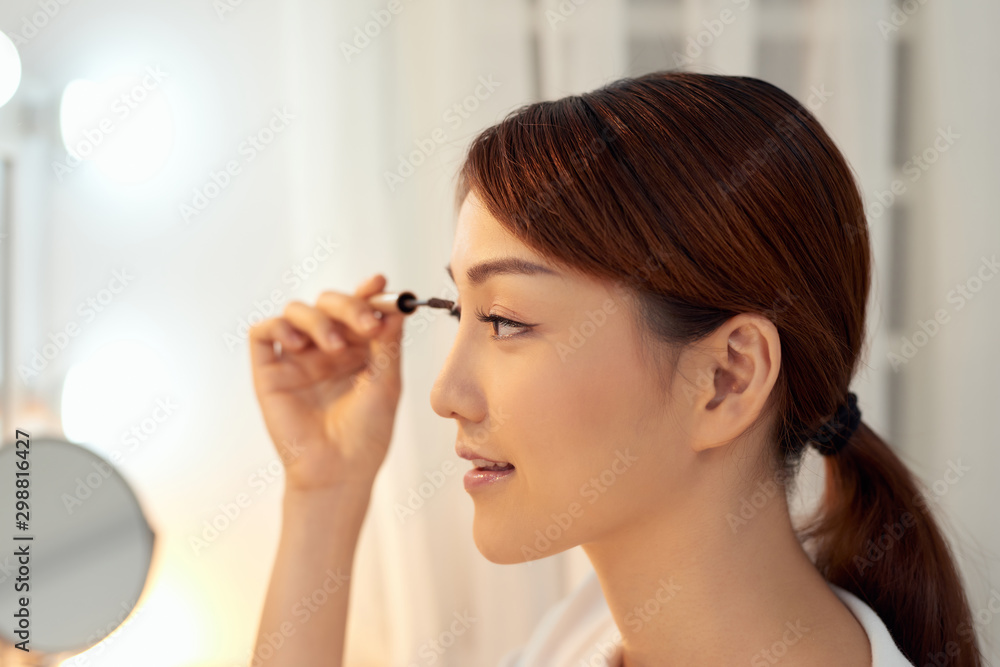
(836, 432)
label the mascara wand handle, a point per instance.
(394, 302)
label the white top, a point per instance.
(579, 631)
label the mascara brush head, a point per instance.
(435, 302)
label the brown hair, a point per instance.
(709, 196)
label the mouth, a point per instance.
(486, 464)
(487, 475)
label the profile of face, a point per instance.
(563, 395)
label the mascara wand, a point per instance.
(405, 302)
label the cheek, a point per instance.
(577, 416)
(572, 427)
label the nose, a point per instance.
(456, 393)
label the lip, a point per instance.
(477, 478)
(465, 452)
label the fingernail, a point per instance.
(336, 342)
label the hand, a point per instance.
(329, 408)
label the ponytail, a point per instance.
(874, 535)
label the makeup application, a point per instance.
(406, 302)
(486, 472)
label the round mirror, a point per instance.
(75, 547)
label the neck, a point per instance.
(677, 581)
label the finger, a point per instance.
(360, 319)
(315, 324)
(371, 286)
(263, 335)
(387, 349)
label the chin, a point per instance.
(493, 544)
(513, 545)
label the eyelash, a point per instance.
(494, 320)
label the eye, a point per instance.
(496, 320)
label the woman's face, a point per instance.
(567, 400)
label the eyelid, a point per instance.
(495, 319)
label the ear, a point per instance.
(734, 371)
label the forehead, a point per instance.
(479, 236)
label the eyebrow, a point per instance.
(480, 273)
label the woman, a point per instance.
(667, 279)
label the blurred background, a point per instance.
(174, 172)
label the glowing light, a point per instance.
(166, 629)
(123, 125)
(108, 395)
(10, 69)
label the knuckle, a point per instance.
(345, 308)
(328, 327)
(330, 294)
(293, 306)
(264, 327)
(331, 302)
(359, 310)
